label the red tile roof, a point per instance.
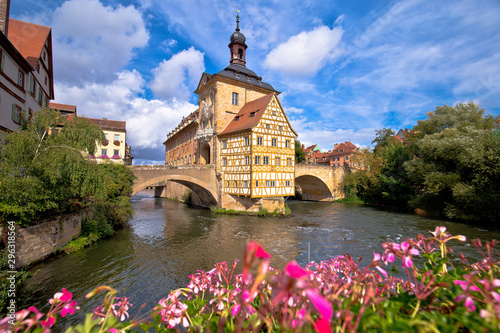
(244, 120)
(310, 149)
(350, 145)
(113, 125)
(28, 38)
(62, 107)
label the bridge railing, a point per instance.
(171, 167)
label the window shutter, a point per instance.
(15, 114)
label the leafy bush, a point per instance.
(449, 164)
(44, 172)
(334, 295)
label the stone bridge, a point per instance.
(201, 179)
(320, 182)
(316, 182)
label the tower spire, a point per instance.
(237, 46)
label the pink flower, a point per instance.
(235, 309)
(408, 252)
(439, 233)
(37, 313)
(70, 308)
(64, 296)
(295, 271)
(121, 307)
(254, 253)
(173, 311)
(469, 303)
(321, 325)
(442, 236)
(301, 314)
(48, 323)
(376, 263)
(322, 305)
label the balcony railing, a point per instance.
(204, 135)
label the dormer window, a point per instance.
(252, 114)
(237, 118)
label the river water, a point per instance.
(167, 241)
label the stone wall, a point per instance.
(240, 203)
(38, 241)
(174, 190)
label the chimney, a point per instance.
(303, 147)
(4, 16)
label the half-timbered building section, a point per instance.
(235, 163)
(258, 151)
(26, 74)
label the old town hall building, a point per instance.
(241, 128)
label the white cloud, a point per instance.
(293, 110)
(148, 121)
(305, 53)
(167, 44)
(178, 76)
(93, 41)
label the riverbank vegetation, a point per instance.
(435, 291)
(45, 172)
(261, 213)
(448, 164)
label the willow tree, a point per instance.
(44, 168)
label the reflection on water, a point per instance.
(166, 242)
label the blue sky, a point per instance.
(345, 68)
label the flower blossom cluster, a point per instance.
(333, 295)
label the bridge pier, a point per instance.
(159, 191)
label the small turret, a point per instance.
(237, 46)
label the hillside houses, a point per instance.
(340, 155)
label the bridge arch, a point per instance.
(314, 188)
(205, 193)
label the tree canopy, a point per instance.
(44, 169)
(451, 165)
(300, 156)
(383, 137)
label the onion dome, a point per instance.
(237, 36)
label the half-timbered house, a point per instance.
(258, 151)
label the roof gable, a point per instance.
(248, 116)
(28, 38)
(205, 77)
(251, 113)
